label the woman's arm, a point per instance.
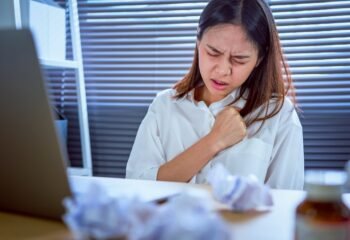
(188, 163)
(229, 128)
(147, 153)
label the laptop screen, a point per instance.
(32, 167)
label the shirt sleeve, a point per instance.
(286, 170)
(147, 153)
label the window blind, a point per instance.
(63, 96)
(316, 39)
(131, 51)
(134, 49)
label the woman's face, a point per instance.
(226, 59)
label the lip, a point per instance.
(218, 86)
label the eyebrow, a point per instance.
(235, 56)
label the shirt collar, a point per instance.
(224, 102)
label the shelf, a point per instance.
(48, 63)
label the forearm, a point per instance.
(187, 164)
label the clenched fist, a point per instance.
(229, 128)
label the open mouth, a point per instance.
(219, 82)
(219, 85)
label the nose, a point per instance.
(224, 69)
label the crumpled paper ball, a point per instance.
(96, 215)
(186, 217)
(239, 193)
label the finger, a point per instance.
(233, 110)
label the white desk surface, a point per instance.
(277, 224)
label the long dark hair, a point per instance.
(271, 78)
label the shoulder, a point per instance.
(287, 106)
(167, 93)
(288, 113)
(163, 99)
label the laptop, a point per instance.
(33, 176)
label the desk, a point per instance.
(277, 224)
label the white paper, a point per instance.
(186, 217)
(239, 193)
(95, 214)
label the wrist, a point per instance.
(213, 144)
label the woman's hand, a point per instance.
(229, 128)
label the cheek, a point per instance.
(205, 66)
(242, 73)
(245, 71)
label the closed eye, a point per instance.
(212, 54)
(240, 63)
(240, 60)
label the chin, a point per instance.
(218, 94)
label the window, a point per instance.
(133, 49)
(315, 36)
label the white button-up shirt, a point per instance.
(274, 154)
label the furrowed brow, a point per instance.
(214, 49)
(241, 57)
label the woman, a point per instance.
(231, 107)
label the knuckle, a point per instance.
(231, 109)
